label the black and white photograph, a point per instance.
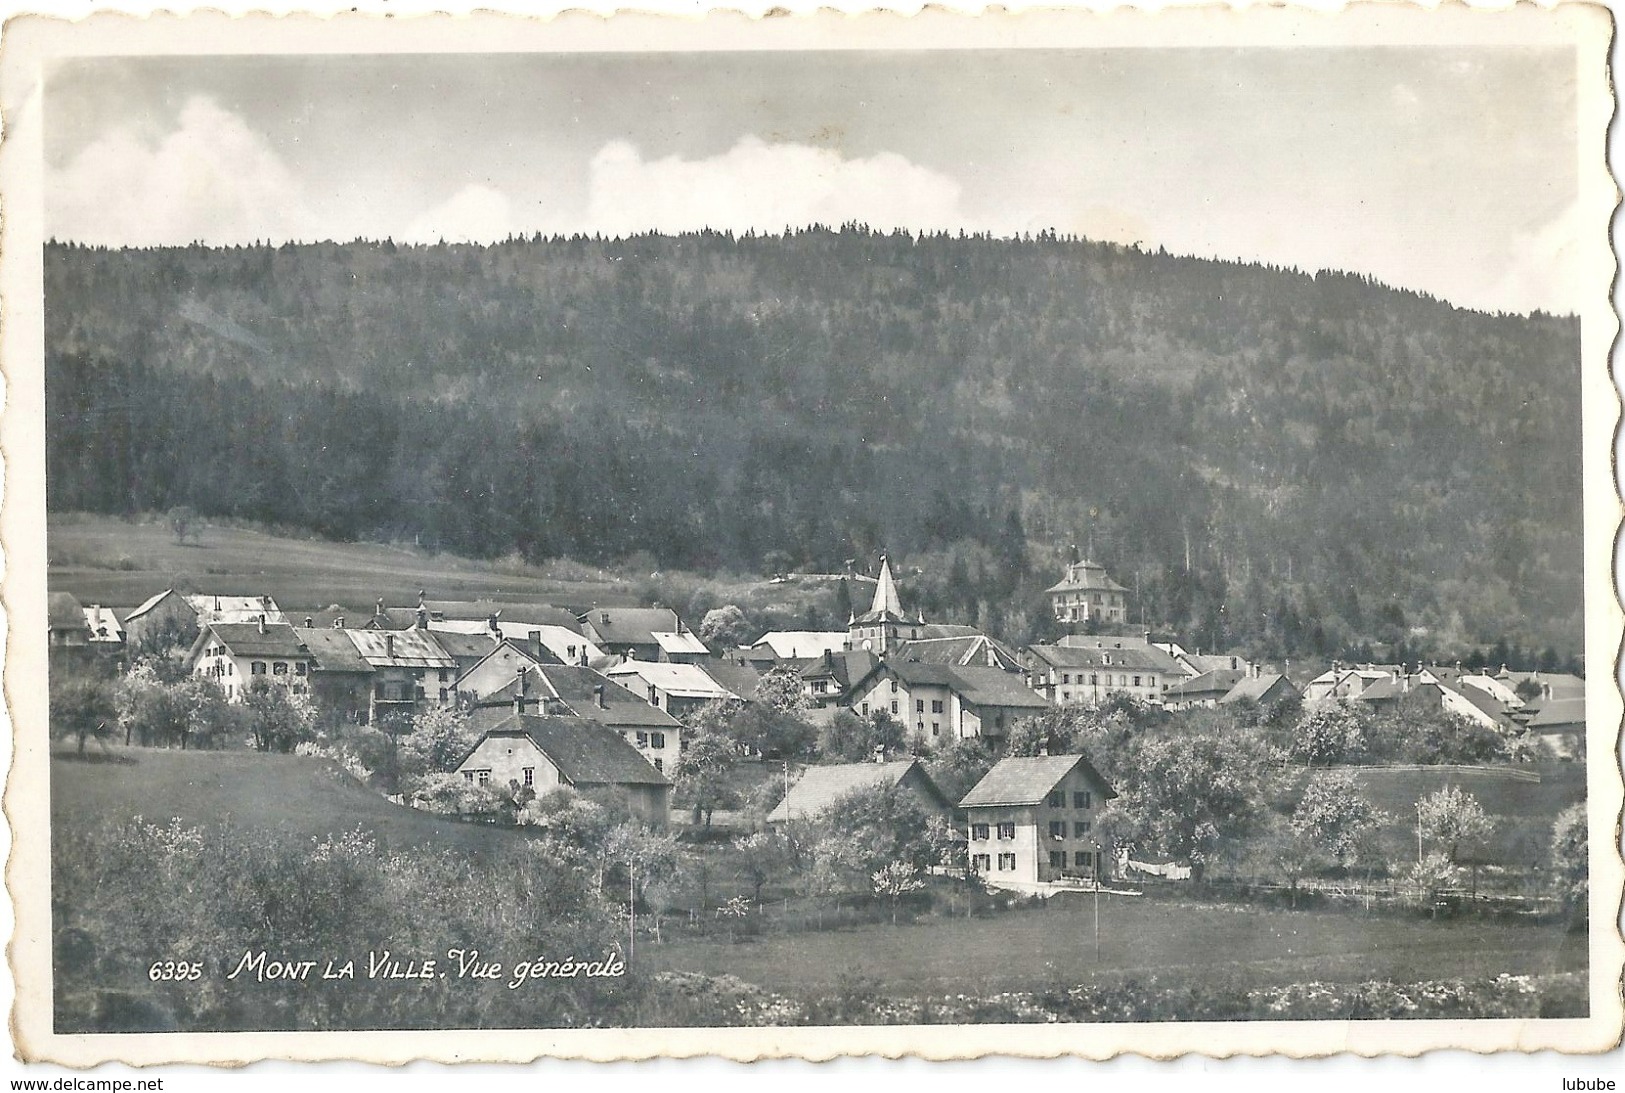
(1035, 534)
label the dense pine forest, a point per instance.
(1292, 463)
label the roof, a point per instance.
(235, 608)
(149, 603)
(630, 625)
(967, 649)
(401, 648)
(467, 646)
(793, 644)
(521, 614)
(1107, 653)
(995, 687)
(1027, 781)
(332, 649)
(680, 641)
(845, 668)
(886, 602)
(741, 679)
(1255, 688)
(932, 630)
(1558, 715)
(103, 624)
(1221, 682)
(585, 752)
(1212, 662)
(65, 611)
(679, 680)
(1086, 576)
(819, 788)
(574, 684)
(245, 639)
(558, 640)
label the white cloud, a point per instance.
(476, 214)
(766, 187)
(212, 178)
(1548, 267)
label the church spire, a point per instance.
(886, 600)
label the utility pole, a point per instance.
(631, 913)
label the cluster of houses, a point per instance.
(600, 697)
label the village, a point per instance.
(686, 730)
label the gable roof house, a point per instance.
(1559, 727)
(1031, 822)
(678, 689)
(411, 672)
(65, 619)
(827, 680)
(562, 644)
(680, 646)
(821, 787)
(941, 702)
(965, 650)
(544, 752)
(1092, 670)
(582, 692)
(1264, 688)
(106, 632)
(340, 677)
(1207, 689)
(235, 608)
(629, 631)
(163, 618)
(496, 671)
(237, 655)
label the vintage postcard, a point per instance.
(1035, 534)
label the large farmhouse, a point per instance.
(541, 753)
(821, 788)
(1032, 821)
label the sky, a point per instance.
(1451, 171)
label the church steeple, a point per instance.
(886, 601)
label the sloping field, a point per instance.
(253, 792)
(104, 560)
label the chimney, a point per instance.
(338, 622)
(654, 696)
(423, 617)
(389, 646)
(261, 620)
(598, 696)
(380, 611)
(491, 623)
(309, 622)
(265, 602)
(583, 654)
(421, 594)
(536, 644)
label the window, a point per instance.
(1080, 829)
(530, 776)
(919, 705)
(1151, 681)
(442, 696)
(468, 776)
(657, 740)
(1056, 799)
(936, 705)
(643, 739)
(919, 727)
(301, 668)
(485, 777)
(1007, 831)
(1080, 858)
(279, 668)
(894, 686)
(1136, 681)
(1057, 829)
(1066, 677)
(1080, 800)
(865, 709)
(820, 687)
(1094, 679)
(980, 862)
(1057, 859)
(936, 728)
(978, 832)
(257, 668)
(1007, 862)
(894, 705)
(445, 676)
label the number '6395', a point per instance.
(178, 971)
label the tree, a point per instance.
(1334, 816)
(880, 824)
(279, 719)
(1432, 874)
(760, 857)
(1454, 821)
(452, 794)
(961, 764)
(725, 627)
(780, 689)
(1570, 860)
(894, 881)
(183, 522)
(437, 740)
(82, 708)
(702, 775)
(1331, 732)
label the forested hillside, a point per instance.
(1285, 461)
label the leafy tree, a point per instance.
(452, 794)
(1432, 874)
(183, 522)
(703, 775)
(725, 627)
(438, 740)
(1454, 821)
(896, 880)
(82, 708)
(780, 688)
(879, 825)
(760, 857)
(1334, 816)
(278, 719)
(961, 764)
(1328, 733)
(1570, 859)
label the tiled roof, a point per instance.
(1558, 715)
(1221, 682)
(333, 649)
(630, 625)
(103, 624)
(516, 614)
(586, 753)
(679, 641)
(681, 680)
(401, 648)
(1026, 781)
(969, 649)
(1086, 577)
(558, 640)
(468, 646)
(995, 687)
(821, 787)
(149, 604)
(792, 644)
(1255, 688)
(235, 608)
(741, 679)
(622, 709)
(1106, 654)
(245, 639)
